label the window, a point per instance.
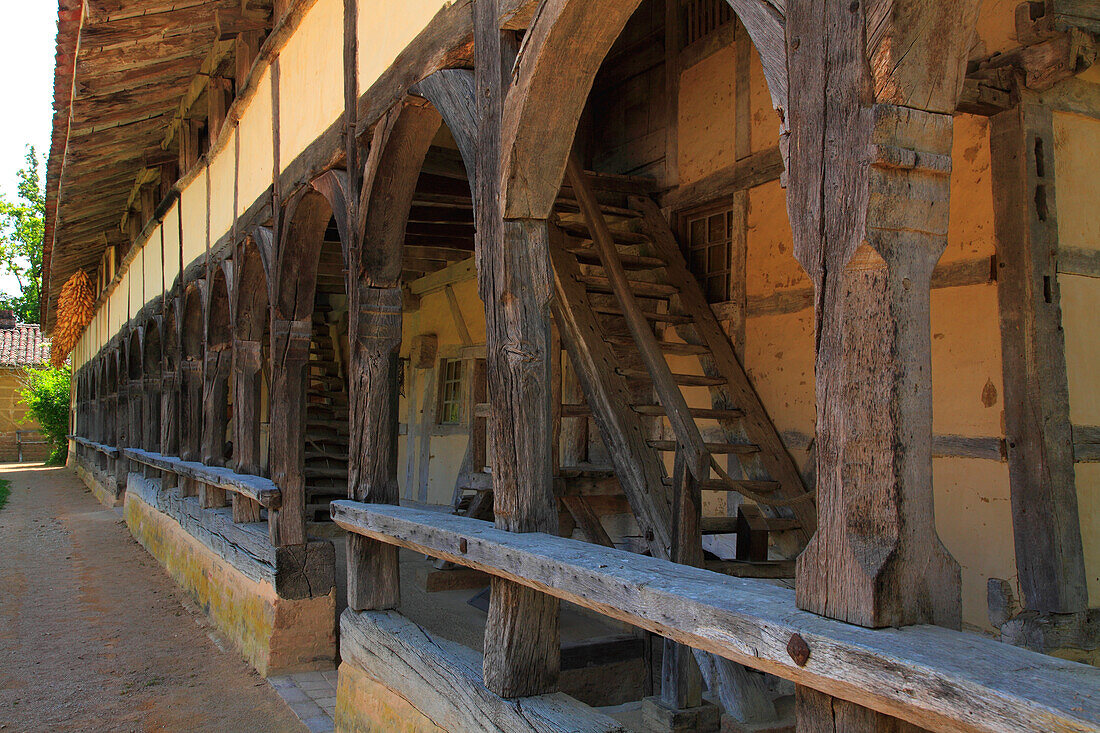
(700, 18)
(450, 393)
(706, 236)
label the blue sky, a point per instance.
(27, 45)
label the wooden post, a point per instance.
(869, 192)
(1046, 525)
(170, 419)
(248, 373)
(215, 418)
(191, 408)
(522, 642)
(373, 573)
(290, 356)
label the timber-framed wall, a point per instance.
(208, 329)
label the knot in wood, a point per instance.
(799, 650)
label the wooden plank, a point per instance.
(1047, 531)
(257, 488)
(443, 680)
(937, 678)
(522, 643)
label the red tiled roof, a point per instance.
(23, 346)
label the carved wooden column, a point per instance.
(869, 191)
(373, 576)
(248, 376)
(522, 640)
(191, 409)
(1046, 524)
(215, 418)
(289, 357)
(170, 419)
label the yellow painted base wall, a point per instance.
(275, 635)
(364, 705)
(93, 480)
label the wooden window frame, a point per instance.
(705, 212)
(451, 406)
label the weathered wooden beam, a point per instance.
(522, 644)
(927, 675)
(1046, 526)
(261, 490)
(248, 376)
(442, 679)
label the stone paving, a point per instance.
(312, 697)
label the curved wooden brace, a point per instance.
(300, 241)
(451, 92)
(264, 240)
(135, 339)
(219, 304)
(154, 334)
(195, 292)
(335, 186)
(561, 55)
(400, 143)
(251, 293)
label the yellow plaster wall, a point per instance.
(223, 180)
(170, 227)
(135, 278)
(257, 146)
(274, 634)
(385, 29)
(151, 256)
(970, 233)
(770, 263)
(996, 26)
(311, 77)
(1077, 159)
(192, 208)
(706, 112)
(364, 705)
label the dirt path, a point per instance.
(95, 637)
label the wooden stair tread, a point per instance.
(641, 288)
(715, 484)
(589, 256)
(703, 413)
(715, 448)
(684, 380)
(674, 318)
(580, 230)
(776, 569)
(676, 348)
(571, 205)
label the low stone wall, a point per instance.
(276, 605)
(398, 676)
(103, 486)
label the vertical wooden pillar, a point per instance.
(869, 191)
(289, 357)
(1046, 525)
(522, 641)
(248, 373)
(191, 409)
(215, 418)
(170, 419)
(373, 577)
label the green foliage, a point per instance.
(46, 395)
(5, 491)
(22, 224)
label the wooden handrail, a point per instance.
(107, 450)
(687, 432)
(259, 489)
(930, 676)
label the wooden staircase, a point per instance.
(644, 342)
(326, 450)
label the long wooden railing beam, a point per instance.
(106, 450)
(257, 488)
(930, 676)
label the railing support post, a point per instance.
(248, 368)
(290, 356)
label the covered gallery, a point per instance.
(752, 328)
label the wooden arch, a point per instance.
(219, 315)
(134, 356)
(303, 235)
(153, 347)
(251, 294)
(561, 55)
(192, 320)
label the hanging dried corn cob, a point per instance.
(74, 312)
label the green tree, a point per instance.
(22, 224)
(46, 395)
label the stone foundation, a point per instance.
(398, 676)
(103, 486)
(276, 605)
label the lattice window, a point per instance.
(700, 18)
(450, 392)
(706, 236)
